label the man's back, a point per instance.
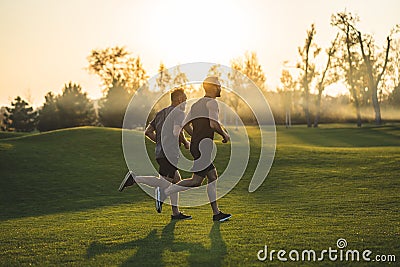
(165, 139)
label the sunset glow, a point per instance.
(45, 43)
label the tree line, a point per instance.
(354, 59)
(369, 71)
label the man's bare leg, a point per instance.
(175, 197)
(153, 181)
(212, 177)
(184, 184)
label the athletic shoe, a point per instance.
(157, 194)
(160, 197)
(221, 217)
(129, 180)
(181, 216)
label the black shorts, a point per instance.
(203, 173)
(166, 169)
(194, 150)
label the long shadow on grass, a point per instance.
(151, 248)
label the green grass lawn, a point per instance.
(4, 135)
(59, 203)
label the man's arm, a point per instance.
(179, 131)
(186, 124)
(150, 133)
(189, 129)
(183, 140)
(214, 124)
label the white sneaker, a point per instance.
(129, 180)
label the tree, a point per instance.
(142, 118)
(163, 83)
(237, 84)
(250, 67)
(227, 96)
(48, 114)
(394, 96)
(121, 75)
(394, 75)
(74, 107)
(117, 64)
(3, 110)
(247, 66)
(20, 117)
(288, 84)
(164, 78)
(373, 73)
(215, 71)
(308, 52)
(181, 80)
(113, 106)
(344, 22)
(326, 78)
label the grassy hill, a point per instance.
(59, 203)
(4, 135)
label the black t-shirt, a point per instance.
(170, 142)
(199, 117)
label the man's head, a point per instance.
(212, 87)
(178, 97)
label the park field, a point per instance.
(59, 203)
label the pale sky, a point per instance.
(44, 43)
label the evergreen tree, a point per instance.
(48, 115)
(74, 108)
(113, 106)
(20, 117)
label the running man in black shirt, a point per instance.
(204, 119)
(167, 170)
